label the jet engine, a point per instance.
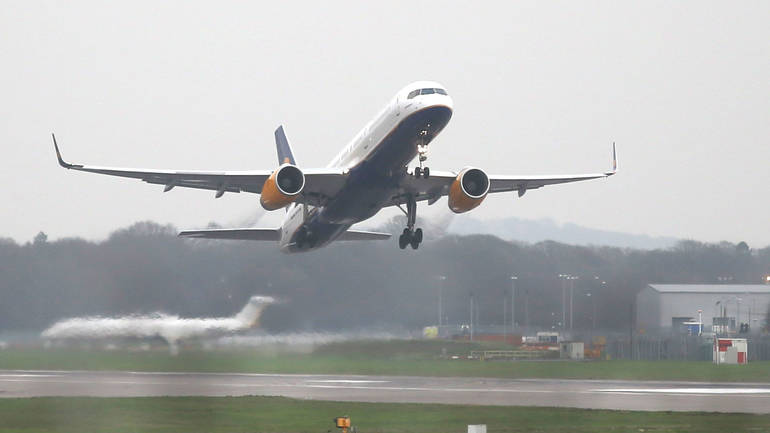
(282, 187)
(468, 190)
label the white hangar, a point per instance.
(662, 307)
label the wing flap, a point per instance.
(360, 235)
(252, 234)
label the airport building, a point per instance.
(673, 307)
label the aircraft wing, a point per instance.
(439, 183)
(319, 183)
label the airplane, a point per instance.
(170, 328)
(369, 174)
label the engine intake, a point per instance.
(282, 187)
(468, 190)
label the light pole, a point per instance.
(593, 317)
(471, 324)
(513, 302)
(571, 279)
(505, 322)
(526, 309)
(441, 279)
(563, 278)
(700, 322)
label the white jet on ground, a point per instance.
(370, 173)
(170, 328)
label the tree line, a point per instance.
(146, 268)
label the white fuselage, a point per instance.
(370, 140)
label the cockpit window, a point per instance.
(414, 93)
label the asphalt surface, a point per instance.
(589, 394)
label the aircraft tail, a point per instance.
(285, 155)
(249, 315)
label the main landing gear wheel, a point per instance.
(307, 238)
(416, 239)
(410, 236)
(404, 239)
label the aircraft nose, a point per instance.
(449, 103)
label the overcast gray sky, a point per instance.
(539, 87)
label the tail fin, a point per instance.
(285, 156)
(249, 316)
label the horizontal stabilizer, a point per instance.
(357, 235)
(246, 234)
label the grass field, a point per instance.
(277, 414)
(420, 358)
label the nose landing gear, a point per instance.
(422, 152)
(410, 236)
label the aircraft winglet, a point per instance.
(614, 161)
(58, 154)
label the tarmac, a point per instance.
(588, 394)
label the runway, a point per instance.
(589, 394)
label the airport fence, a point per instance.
(677, 348)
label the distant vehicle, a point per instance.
(548, 338)
(172, 329)
(369, 174)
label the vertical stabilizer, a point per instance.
(249, 316)
(285, 156)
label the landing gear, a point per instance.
(306, 237)
(410, 236)
(404, 239)
(422, 152)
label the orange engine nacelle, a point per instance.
(468, 190)
(282, 187)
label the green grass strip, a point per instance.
(277, 414)
(398, 360)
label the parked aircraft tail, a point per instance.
(249, 315)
